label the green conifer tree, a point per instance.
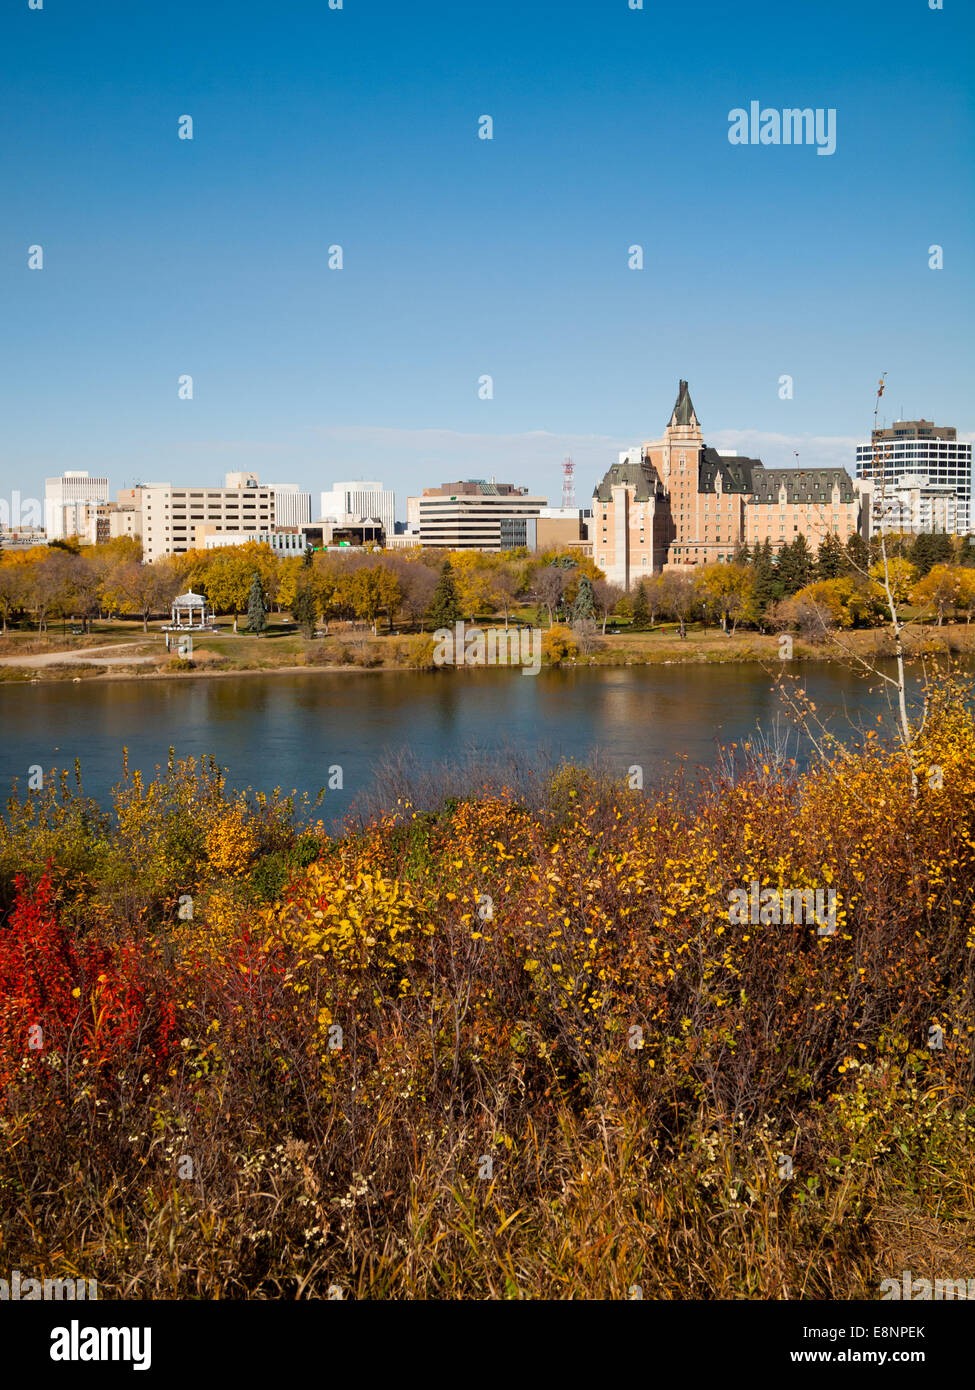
(304, 608)
(763, 561)
(858, 556)
(641, 609)
(256, 607)
(445, 608)
(795, 565)
(830, 560)
(585, 604)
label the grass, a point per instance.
(350, 645)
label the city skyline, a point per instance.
(844, 452)
(465, 257)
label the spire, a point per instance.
(683, 413)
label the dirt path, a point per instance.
(73, 657)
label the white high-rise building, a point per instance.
(926, 460)
(67, 501)
(292, 507)
(359, 499)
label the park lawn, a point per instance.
(284, 646)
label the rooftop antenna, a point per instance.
(568, 484)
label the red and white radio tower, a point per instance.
(568, 484)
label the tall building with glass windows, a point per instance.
(918, 458)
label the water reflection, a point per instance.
(285, 730)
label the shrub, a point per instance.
(339, 1032)
(558, 645)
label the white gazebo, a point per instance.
(189, 615)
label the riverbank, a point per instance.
(513, 1043)
(25, 658)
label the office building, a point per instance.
(918, 456)
(476, 515)
(66, 503)
(914, 504)
(176, 519)
(360, 499)
(292, 507)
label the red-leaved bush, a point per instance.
(97, 1004)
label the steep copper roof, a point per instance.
(683, 412)
(737, 474)
(802, 484)
(642, 477)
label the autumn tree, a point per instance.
(547, 587)
(375, 590)
(11, 591)
(304, 605)
(473, 575)
(146, 589)
(506, 587)
(679, 598)
(225, 575)
(897, 573)
(819, 608)
(727, 591)
(607, 596)
(417, 583)
(940, 589)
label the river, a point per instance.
(288, 730)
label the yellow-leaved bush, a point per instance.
(357, 919)
(232, 841)
(348, 925)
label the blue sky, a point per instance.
(464, 257)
